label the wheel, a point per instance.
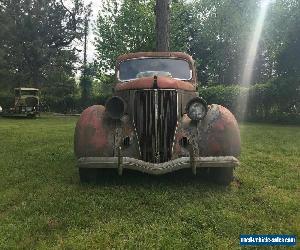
(31, 116)
(93, 175)
(88, 175)
(222, 176)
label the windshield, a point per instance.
(29, 92)
(26, 92)
(145, 67)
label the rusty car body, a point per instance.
(26, 103)
(157, 123)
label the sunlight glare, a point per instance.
(250, 58)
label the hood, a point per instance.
(149, 83)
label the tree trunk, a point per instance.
(162, 25)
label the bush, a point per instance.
(220, 94)
(6, 100)
(70, 104)
(277, 101)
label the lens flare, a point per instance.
(250, 58)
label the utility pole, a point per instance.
(162, 10)
(86, 28)
(85, 81)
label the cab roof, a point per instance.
(29, 89)
(155, 54)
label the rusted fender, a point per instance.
(216, 135)
(94, 133)
(221, 133)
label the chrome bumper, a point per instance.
(121, 163)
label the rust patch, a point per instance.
(222, 132)
(92, 136)
(162, 83)
(216, 135)
(89, 131)
(184, 129)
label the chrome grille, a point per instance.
(155, 118)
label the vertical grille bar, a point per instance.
(155, 117)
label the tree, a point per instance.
(37, 40)
(180, 26)
(287, 30)
(215, 33)
(85, 81)
(219, 34)
(122, 27)
(162, 25)
(129, 26)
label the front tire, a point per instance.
(96, 175)
(222, 176)
(31, 116)
(88, 175)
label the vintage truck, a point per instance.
(26, 103)
(157, 123)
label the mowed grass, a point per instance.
(44, 206)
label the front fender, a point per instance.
(97, 135)
(221, 133)
(94, 133)
(216, 135)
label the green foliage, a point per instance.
(123, 27)
(283, 37)
(216, 33)
(220, 94)
(219, 34)
(44, 206)
(103, 85)
(273, 101)
(129, 26)
(7, 99)
(180, 25)
(36, 41)
(36, 47)
(86, 87)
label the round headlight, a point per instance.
(115, 107)
(196, 109)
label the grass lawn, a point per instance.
(43, 205)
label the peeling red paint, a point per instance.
(214, 147)
(219, 125)
(91, 136)
(97, 135)
(216, 135)
(223, 137)
(162, 83)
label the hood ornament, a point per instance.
(155, 86)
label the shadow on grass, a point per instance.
(181, 178)
(18, 117)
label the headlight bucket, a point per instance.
(196, 109)
(115, 107)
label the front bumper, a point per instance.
(121, 163)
